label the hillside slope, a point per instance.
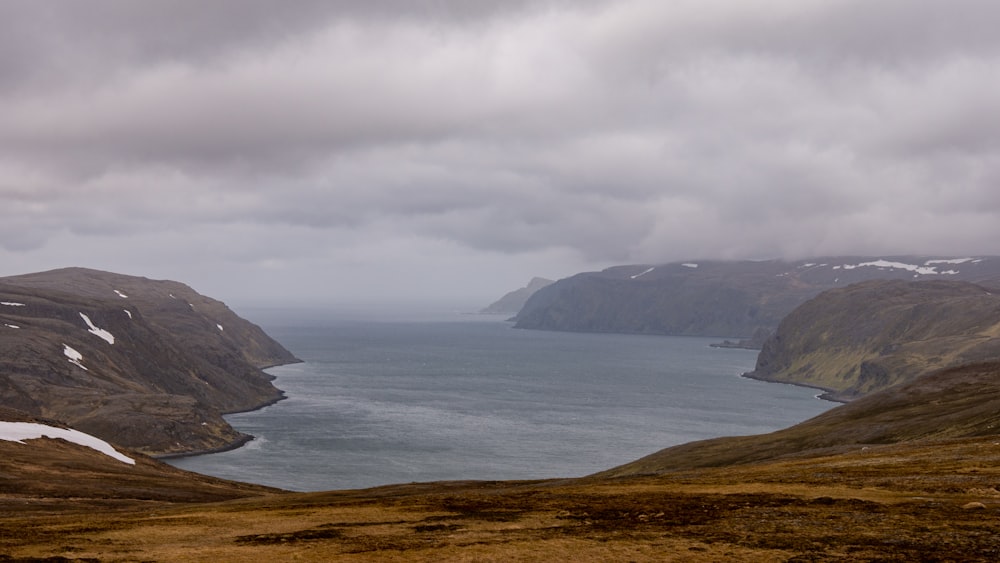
(955, 403)
(146, 364)
(46, 472)
(724, 299)
(822, 496)
(872, 335)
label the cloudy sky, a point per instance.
(366, 150)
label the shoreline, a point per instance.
(243, 439)
(826, 395)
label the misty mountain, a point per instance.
(513, 301)
(146, 364)
(719, 298)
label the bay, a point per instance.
(449, 397)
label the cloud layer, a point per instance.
(386, 147)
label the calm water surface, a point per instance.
(469, 397)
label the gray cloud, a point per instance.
(489, 140)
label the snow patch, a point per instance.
(807, 265)
(642, 273)
(99, 332)
(883, 264)
(127, 312)
(689, 265)
(120, 294)
(75, 358)
(11, 326)
(951, 261)
(20, 431)
(220, 327)
(11, 304)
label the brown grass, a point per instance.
(889, 503)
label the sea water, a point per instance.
(379, 401)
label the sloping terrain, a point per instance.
(960, 402)
(724, 299)
(46, 473)
(856, 340)
(930, 496)
(146, 364)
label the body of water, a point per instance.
(468, 397)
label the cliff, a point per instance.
(724, 299)
(869, 336)
(146, 364)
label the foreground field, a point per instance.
(922, 501)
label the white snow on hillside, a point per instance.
(11, 326)
(127, 312)
(11, 304)
(120, 294)
(951, 261)
(642, 273)
(220, 327)
(689, 265)
(75, 358)
(921, 270)
(20, 431)
(99, 332)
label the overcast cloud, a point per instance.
(451, 149)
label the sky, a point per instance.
(439, 151)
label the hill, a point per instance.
(868, 336)
(43, 469)
(724, 299)
(146, 364)
(956, 403)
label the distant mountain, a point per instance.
(872, 335)
(512, 302)
(146, 364)
(724, 299)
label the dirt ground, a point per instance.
(933, 501)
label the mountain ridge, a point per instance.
(146, 364)
(727, 299)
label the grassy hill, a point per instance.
(869, 336)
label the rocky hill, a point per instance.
(868, 336)
(724, 299)
(512, 302)
(146, 364)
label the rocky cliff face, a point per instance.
(725, 299)
(146, 364)
(869, 336)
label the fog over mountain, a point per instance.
(446, 151)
